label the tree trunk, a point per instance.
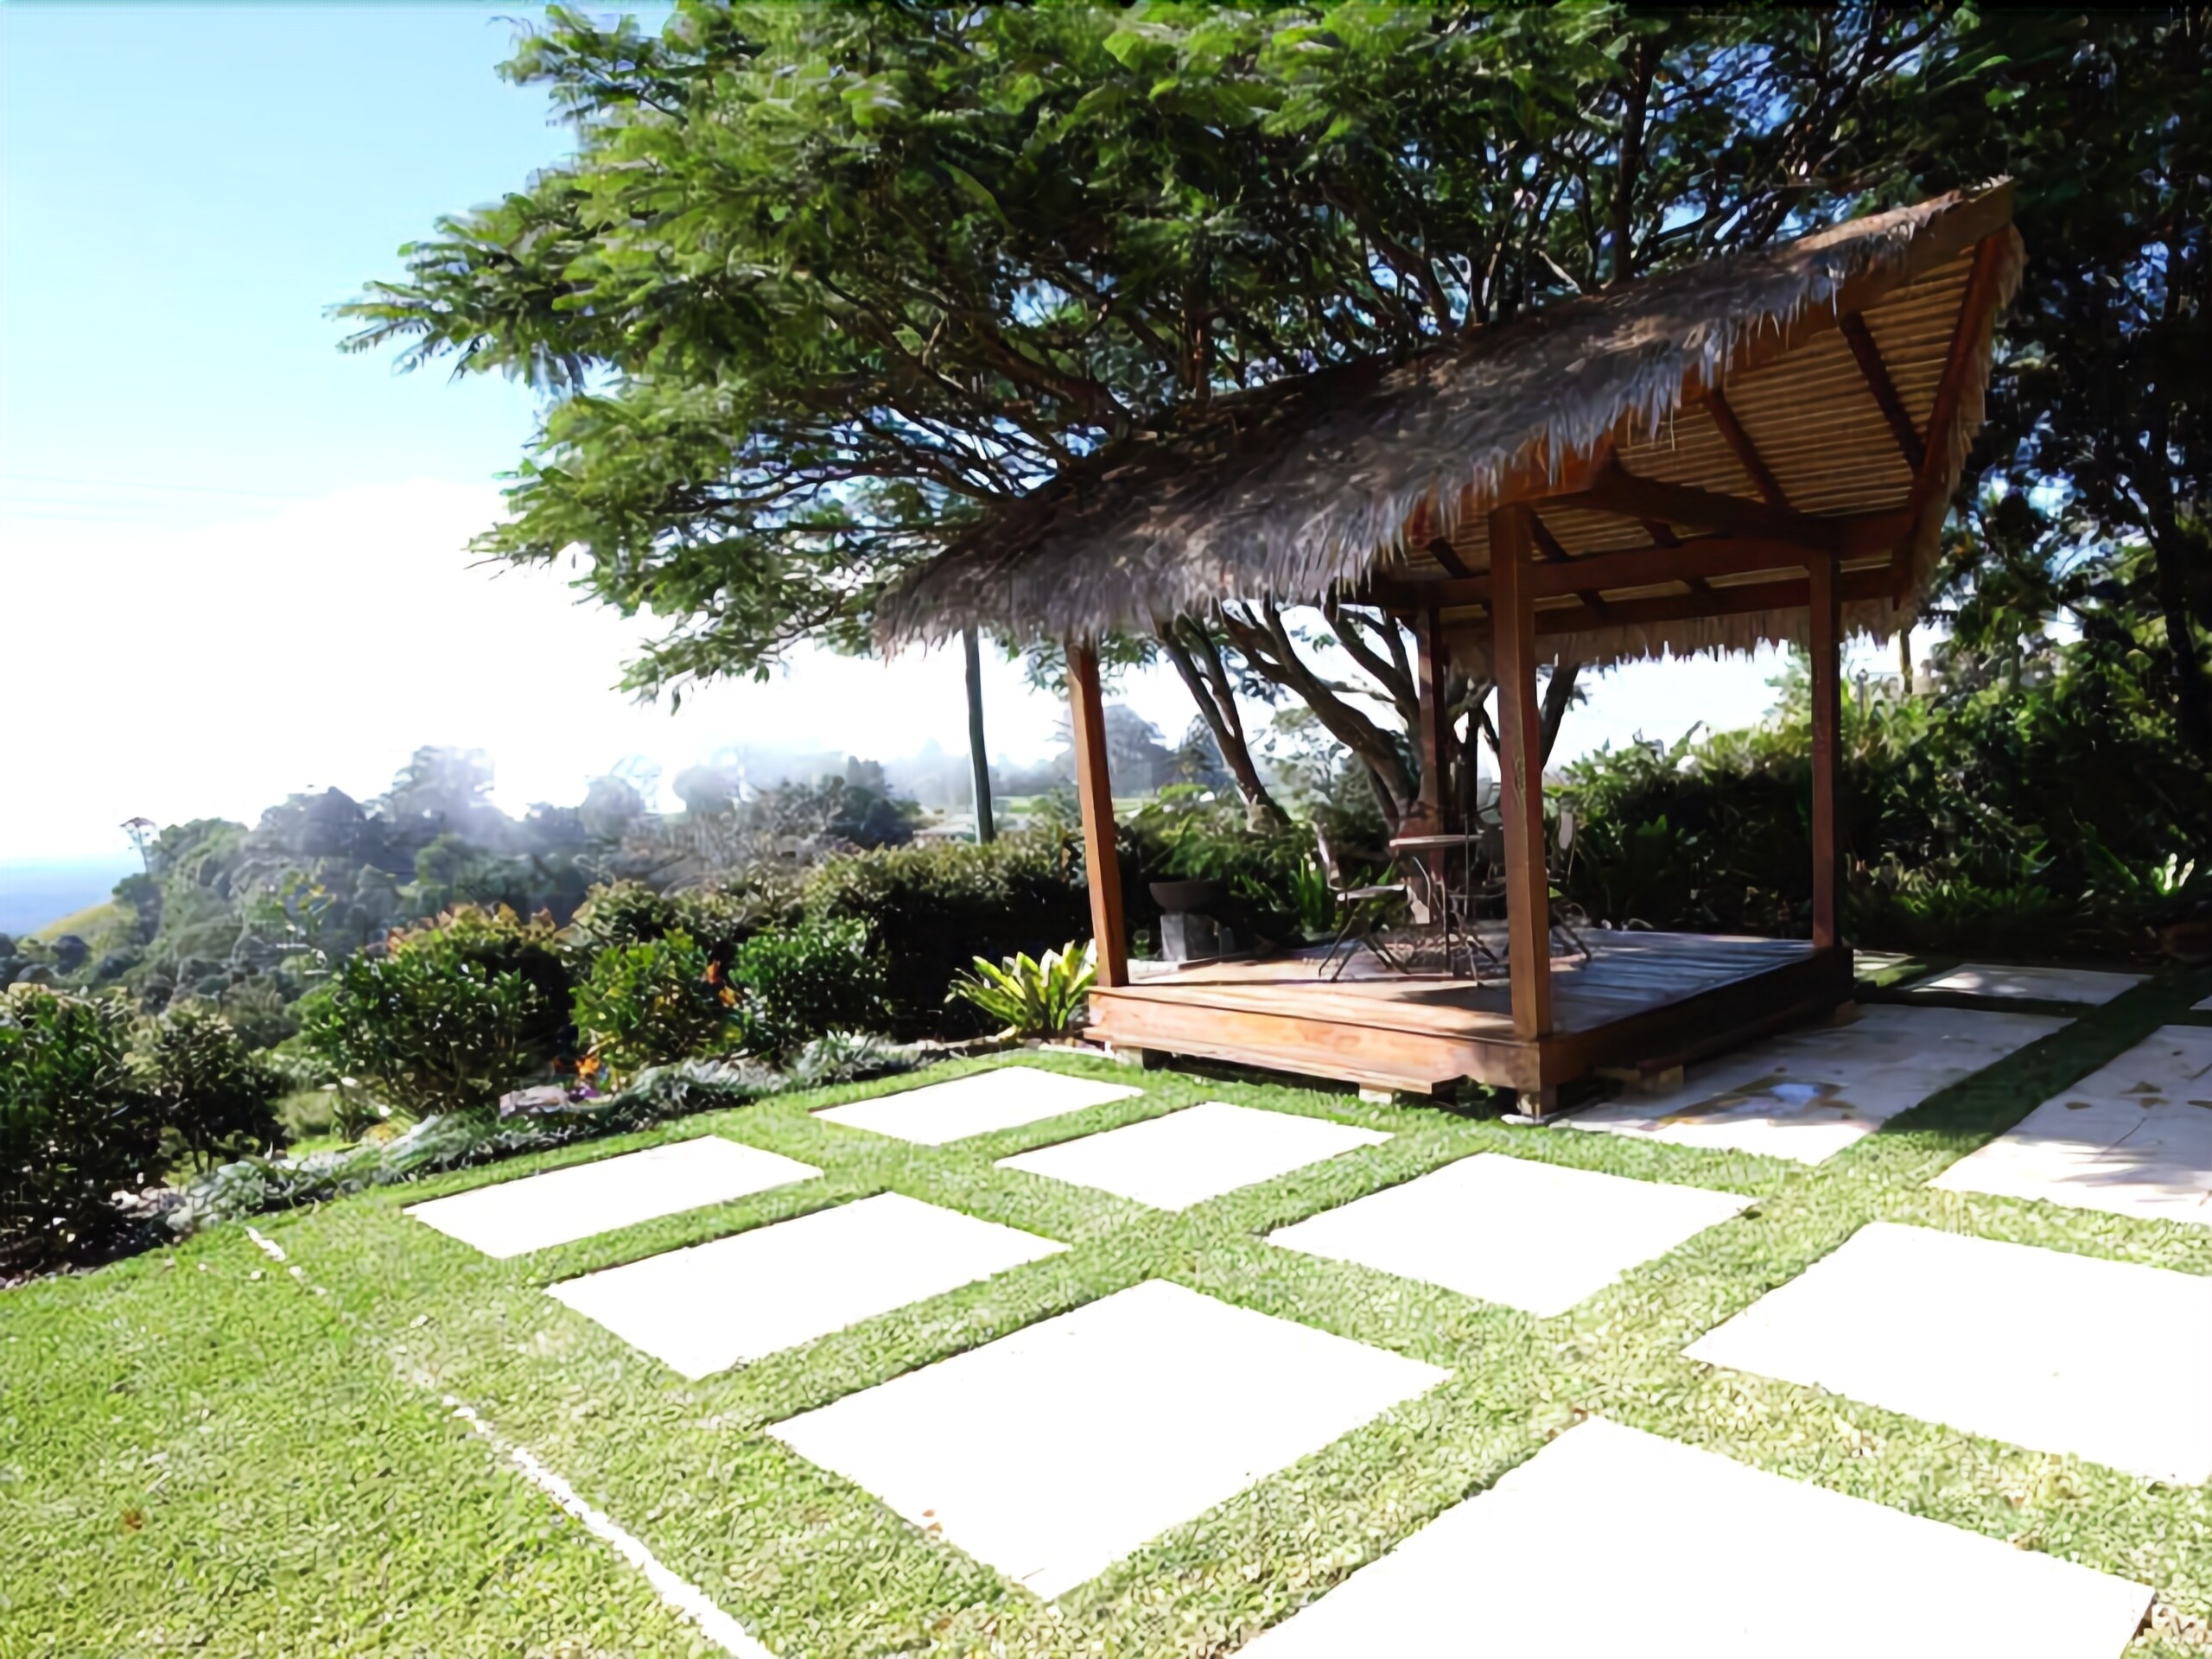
(1190, 645)
(1266, 644)
(979, 759)
(1559, 698)
(2192, 703)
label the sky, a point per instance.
(232, 558)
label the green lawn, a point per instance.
(198, 1452)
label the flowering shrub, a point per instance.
(650, 1003)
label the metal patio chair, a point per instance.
(1361, 912)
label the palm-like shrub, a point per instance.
(1033, 996)
(76, 1124)
(653, 1002)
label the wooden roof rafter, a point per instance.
(1747, 454)
(1876, 372)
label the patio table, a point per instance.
(1426, 858)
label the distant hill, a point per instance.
(35, 894)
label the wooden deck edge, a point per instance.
(1725, 1017)
(1376, 1056)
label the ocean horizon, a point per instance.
(35, 892)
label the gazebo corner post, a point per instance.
(1432, 666)
(1823, 641)
(1094, 797)
(1433, 741)
(1521, 774)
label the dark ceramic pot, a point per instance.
(1186, 898)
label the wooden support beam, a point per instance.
(1547, 545)
(1630, 497)
(1660, 532)
(1737, 600)
(1094, 798)
(1875, 371)
(1521, 774)
(1432, 662)
(1823, 636)
(1447, 555)
(1691, 562)
(1747, 452)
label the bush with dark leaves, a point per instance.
(214, 1095)
(77, 1125)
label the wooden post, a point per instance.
(1821, 639)
(1432, 664)
(1521, 771)
(1095, 791)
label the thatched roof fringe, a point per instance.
(1296, 489)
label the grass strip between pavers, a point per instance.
(340, 1478)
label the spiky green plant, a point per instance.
(1032, 997)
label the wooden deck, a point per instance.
(1640, 999)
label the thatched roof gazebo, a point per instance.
(1760, 449)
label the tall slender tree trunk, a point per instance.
(979, 758)
(2192, 701)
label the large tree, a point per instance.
(820, 284)
(2104, 388)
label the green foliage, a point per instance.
(846, 1057)
(214, 1094)
(353, 1110)
(928, 910)
(717, 919)
(2041, 808)
(805, 982)
(650, 1003)
(76, 1125)
(2100, 403)
(1190, 833)
(451, 1016)
(1312, 899)
(806, 265)
(1032, 997)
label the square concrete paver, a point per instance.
(2106, 1360)
(1506, 1229)
(1200, 1153)
(1051, 1454)
(980, 1103)
(538, 1212)
(2134, 1138)
(2036, 984)
(714, 1305)
(1612, 1542)
(1808, 1094)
